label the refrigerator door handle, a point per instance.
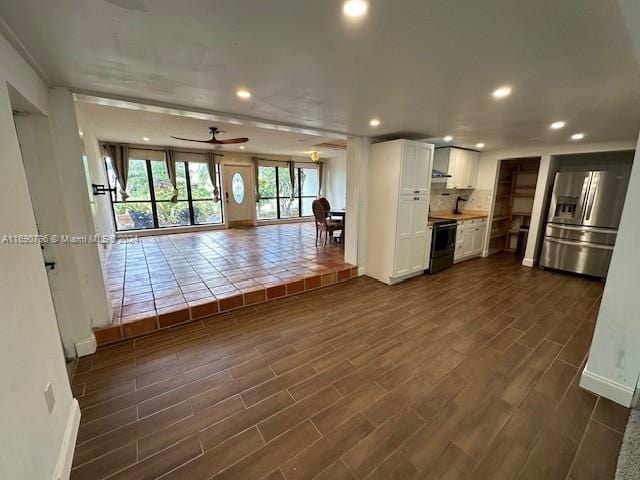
(579, 244)
(591, 196)
(580, 228)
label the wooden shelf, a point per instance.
(514, 194)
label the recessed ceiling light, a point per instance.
(502, 92)
(374, 122)
(577, 136)
(244, 94)
(355, 8)
(480, 145)
(80, 132)
(241, 147)
(448, 138)
(145, 139)
(557, 125)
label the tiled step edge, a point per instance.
(171, 316)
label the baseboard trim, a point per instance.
(361, 271)
(527, 262)
(607, 388)
(65, 456)
(87, 346)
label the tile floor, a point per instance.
(471, 373)
(169, 279)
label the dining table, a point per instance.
(342, 214)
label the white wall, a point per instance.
(32, 439)
(100, 204)
(335, 180)
(68, 157)
(488, 173)
(355, 248)
(613, 367)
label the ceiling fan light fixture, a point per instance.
(213, 140)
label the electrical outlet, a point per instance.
(49, 397)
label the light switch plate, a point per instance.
(49, 397)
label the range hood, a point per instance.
(439, 174)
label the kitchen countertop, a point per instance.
(465, 215)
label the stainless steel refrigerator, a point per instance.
(583, 220)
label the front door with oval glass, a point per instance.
(238, 188)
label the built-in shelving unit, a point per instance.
(514, 194)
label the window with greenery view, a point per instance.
(149, 204)
(274, 186)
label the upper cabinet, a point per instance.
(461, 164)
(415, 168)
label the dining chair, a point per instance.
(327, 206)
(323, 224)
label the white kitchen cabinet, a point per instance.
(404, 235)
(467, 242)
(461, 164)
(478, 239)
(398, 207)
(415, 171)
(470, 239)
(419, 233)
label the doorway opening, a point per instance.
(190, 243)
(514, 194)
(34, 138)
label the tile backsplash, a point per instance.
(445, 200)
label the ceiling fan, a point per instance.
(214, 131)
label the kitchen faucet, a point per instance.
(458, 200)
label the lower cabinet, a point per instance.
(411, 239)
(470, 239)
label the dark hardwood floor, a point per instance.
(470, 373)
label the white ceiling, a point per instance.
(426, 68)
(131, 126)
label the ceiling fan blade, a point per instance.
(193, 140)
(230, 140)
